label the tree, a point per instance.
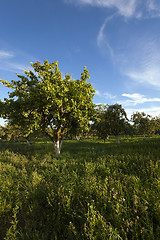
(2, 132)
(100, 124)
(157, 125)
(143, 123)
(116, 119)
(111, 121)
(129, 129)
(76, 130)
(15, 132)
(41, 99)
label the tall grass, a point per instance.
(93, 190)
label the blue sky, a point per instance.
(118, 41)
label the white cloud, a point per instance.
(131, 104)
(105, 95)
(17, 66)
(109, 95)
(101, 36)
(97, 93)
(140, 62)
(137, 98)
(5, 54)
(125, 8)
(102, 41)
(149, 76)
(15, 61)
(153, 7)
(145, 61)
(152, 111)
(12, 66)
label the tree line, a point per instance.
(112, 120)
(42, 101)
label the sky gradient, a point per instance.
(118, 41)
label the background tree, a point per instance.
(129, 129)
(41, 99)
(156, 125)
(16, 132)
(19, 123)
(143, 123)
(100, 126)
(78, 131)
(2, 132)
(111, 121)
(116, 119)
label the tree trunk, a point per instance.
(78, 138)
(57, 141)
(118, 141)
(27, 140)
(57, 147)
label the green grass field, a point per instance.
(93, 190)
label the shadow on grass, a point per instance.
(87, 149)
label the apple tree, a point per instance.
(42, 100)
(116, 119)
(99, 127)
(112, 120)
(143, 123)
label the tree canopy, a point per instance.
(143, 123)
(111, 120)
(42, 99)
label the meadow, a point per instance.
(93, 190)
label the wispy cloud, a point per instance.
(134, 102)
(149, 76)
(109, 95)
(102, 40)
(125, 8)
(139, 101)
(105, 95)
(137, 55)
(152, 111)
(153, 7)
(144, 67)
(5, 54)
(97, 93)
(14, 61)
(137, 98)
(12, 66)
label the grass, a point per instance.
(93, 190)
